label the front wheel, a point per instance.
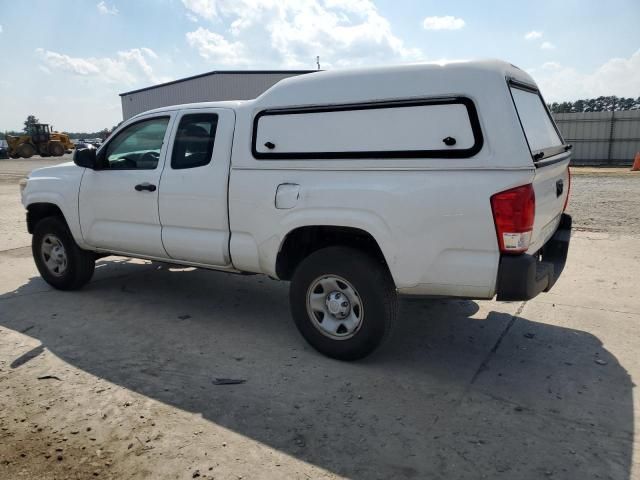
(343, 301)
(26, 150)
(60, 261)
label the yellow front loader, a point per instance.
(40, 140)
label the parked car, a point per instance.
(355, 185)
(80, 144)
(4, 149)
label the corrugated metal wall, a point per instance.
(601, 138)
(209, 88)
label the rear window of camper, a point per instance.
(542, 135)
(401, 129)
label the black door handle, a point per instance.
(145, 186)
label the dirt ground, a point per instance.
(116, 380)
(606, 203)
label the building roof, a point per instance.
(220, 72)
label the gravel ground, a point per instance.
(606, 203)
(13, 170)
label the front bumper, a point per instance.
(522, 277)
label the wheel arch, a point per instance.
(38, 210)
(302, 241)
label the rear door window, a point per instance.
(193, 146)
(539, 129)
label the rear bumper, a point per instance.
(522, 277)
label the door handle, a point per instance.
(145, 186)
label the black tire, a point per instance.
(374, 288)
(26, 150)
(79, 263)
(56, 149)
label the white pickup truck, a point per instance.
(355, 185)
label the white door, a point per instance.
(193, 187)
(118, 202)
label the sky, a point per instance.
(66, 61)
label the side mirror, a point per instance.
(85, 157)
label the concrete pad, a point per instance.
(602, 272)
(158, 338)
(136, 352)
(13, 233)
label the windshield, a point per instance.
(541, 133)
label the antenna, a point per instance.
(318, 61)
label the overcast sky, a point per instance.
(67, 63)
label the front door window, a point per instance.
(137, 147)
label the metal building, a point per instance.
(206, 87)
(601, 138)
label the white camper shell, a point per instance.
(357, 185)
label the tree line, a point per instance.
(600, 104)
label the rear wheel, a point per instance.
(26, 150)
(56, 149)
(60, 261)
(343, 301)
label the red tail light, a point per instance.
(566, 200)
(513, 214)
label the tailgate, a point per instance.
(551, 187)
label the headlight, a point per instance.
(23, 184)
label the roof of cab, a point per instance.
(232, 104)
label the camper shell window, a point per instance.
(537, 124)
(425, 128)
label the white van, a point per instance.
(355, 185)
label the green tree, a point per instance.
(31, 119)
(600, 104)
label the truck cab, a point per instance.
(434, 180)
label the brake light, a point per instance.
(513, 214)
(566, 200)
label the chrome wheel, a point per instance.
(54, 255)
(334, 307)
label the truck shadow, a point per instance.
(441, 400)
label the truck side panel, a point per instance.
(434, 227)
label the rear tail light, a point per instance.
(513, 214)
(566, 200)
